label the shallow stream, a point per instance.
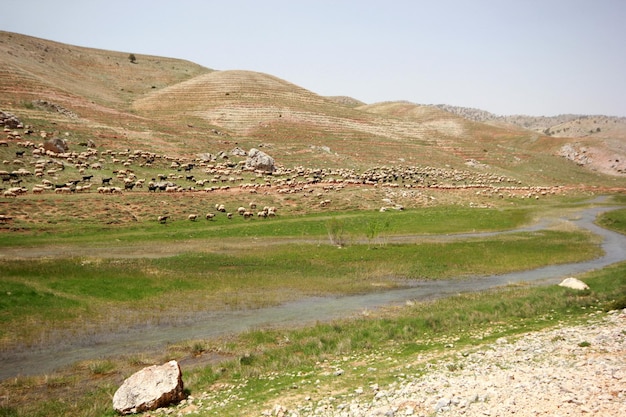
(207, 325)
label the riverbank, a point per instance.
(568, 370)
(54, 355)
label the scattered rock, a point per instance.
(50, 106)
(535, 374)
(574, 284)
(151, 388)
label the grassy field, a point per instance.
(270, 364)
(61, 293)
(226, 264)
(356, 224)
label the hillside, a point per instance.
(564, 125)
(178, 107)
(595, 141)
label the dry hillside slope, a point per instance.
(175, 106)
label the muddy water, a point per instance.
(212, 324)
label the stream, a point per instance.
(205, 325)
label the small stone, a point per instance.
(443, 402)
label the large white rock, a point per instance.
(152, 387)
(260, 160)
(574, 284)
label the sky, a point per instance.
(532, 57)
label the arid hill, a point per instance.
(124, 100)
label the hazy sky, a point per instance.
(535, 57)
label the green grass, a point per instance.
(357, 225)
(37, 296)
(58, 293)
(284, 358)
(614, 220)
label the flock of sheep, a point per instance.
(246, 213)
(28, 163)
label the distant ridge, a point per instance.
(346, 101)
(563, 125)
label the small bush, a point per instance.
(617, 304)
(336, 231)
(8, 411)
(101, 367)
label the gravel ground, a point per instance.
(568, 371)
(565, 371)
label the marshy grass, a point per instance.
(84, 293)
(394, 339)
(265, 363)
(40, 296)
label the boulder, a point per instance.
(259, 160)
(9, 120)
(574, 284)
(56, 145)
(206, 157)
(151, 388)
(237, 151)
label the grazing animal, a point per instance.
(163, 219)
(193, 217)
(87, 177)
(19, 154)
(106, 181)
(210, 216)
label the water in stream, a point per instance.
(206, 325)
